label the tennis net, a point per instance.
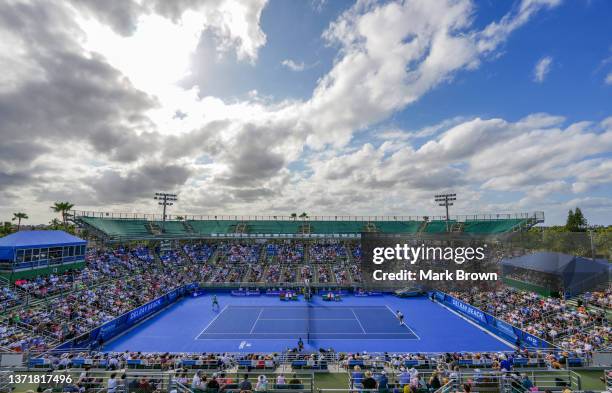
(308, 298)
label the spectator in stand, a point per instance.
(262, 384)
(245, 385)
(356, 376)
(368, 382)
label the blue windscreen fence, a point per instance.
(494, 325)
(111, 329)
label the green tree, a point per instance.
(580, 220)
(19, 216)
(63, 208)
(576, 222)
(569, 223)
(294, 216)
(6, 228)
(304, 215)
(55, 224)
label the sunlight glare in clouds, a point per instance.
(155, 58)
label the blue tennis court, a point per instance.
(265, 324)
(315, 323)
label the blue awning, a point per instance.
(33, 239)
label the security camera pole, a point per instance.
(446, 201)
(164, 199)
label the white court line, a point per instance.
(347, 334)
(293, 338)
(306, 319)
(210, 323)
(358, 321)
(257, 320)
(242, 335)
(404, 323)
(294, 306)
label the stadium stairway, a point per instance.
(306, 253)
(370, 227)
(21, 293)
(241, 227)
(188, 227)
(573, 302)
(185, 255)
(214, 257)
(304, 229)
(349, 253)
(157, 259)
(153, 228)
(457, 227)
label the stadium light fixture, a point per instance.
(446, 200)
(165, 199)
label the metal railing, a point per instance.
(539, 216)
(450, 386)
(5, 381)
(180, 388)
(490, 380)
(230, 381)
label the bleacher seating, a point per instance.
(491, 226)
(438, 226)
(140, 228)
(213, 226)
(398, 226)
(172, 227)
(119, 227)
(264, 226)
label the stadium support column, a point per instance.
(164, 199)
(446, 201)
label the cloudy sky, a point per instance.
(330, 107)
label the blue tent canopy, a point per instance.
(36, 239)
(575, 274)
(30, 239)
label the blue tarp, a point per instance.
(31, 239)
(575, 274)
(35, 239)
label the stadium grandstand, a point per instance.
(292, 315)
(118, 227)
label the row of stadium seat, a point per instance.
(141, 228)
(496, 226)
(296, 364)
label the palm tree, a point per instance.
(294, 216)
(63, 208)
(303, 216)
(19, 216)
(6, 228)
(55, 224)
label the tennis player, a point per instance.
(400, 317)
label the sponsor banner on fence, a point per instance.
(467, 310)
(148, 308)
(127, 320)
(506, 328)
(489, 322)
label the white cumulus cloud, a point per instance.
(293, 66)
(542, 68)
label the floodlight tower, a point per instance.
(446, 201)
(164, 199)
